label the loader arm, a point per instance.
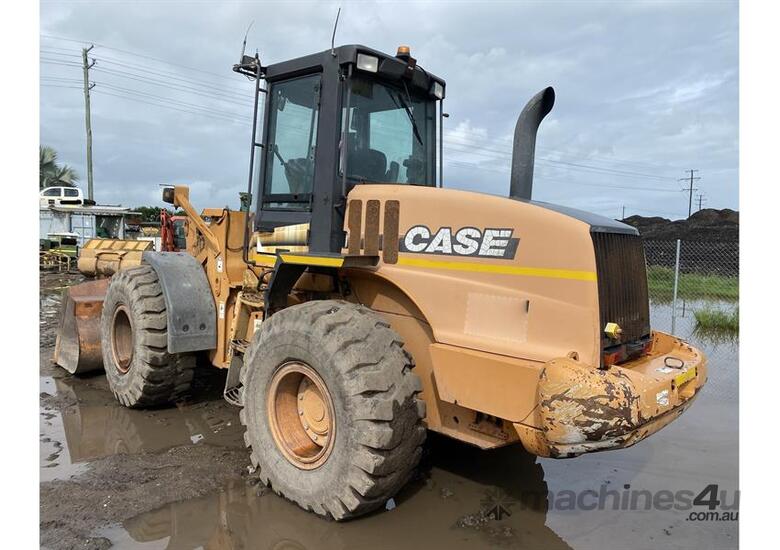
(181, 199)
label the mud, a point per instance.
(178, 477)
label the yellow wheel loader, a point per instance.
(359, 304)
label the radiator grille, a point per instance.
(622, 282)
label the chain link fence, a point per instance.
(694, 293)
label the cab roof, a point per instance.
(390, 67)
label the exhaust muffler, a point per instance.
(524, 148)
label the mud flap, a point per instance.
(77, 348)
(192, 315)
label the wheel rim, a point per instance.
(122, 339)
(300, 411)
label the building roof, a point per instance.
(98, 209)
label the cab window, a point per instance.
(291, 142)
(391, 135)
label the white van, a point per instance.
(61, 196)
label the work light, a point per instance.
(437, 90)
(367, 63)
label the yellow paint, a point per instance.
(681, 379)
(263, 259)
(312, 260)
(613, 330)
(500, 269)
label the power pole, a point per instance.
(700, 196)
(690, 189)
(86, 65)
(624, 212)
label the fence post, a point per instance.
(676, 281)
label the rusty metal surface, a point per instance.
(583, 409)
(579, 404)
(54, 261)
(78, 345)
(354, 222)
(104, 257)
(371, 244)
(390, 232)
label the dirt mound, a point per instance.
(705, 225)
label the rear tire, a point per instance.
(350, 357)
(134, 333)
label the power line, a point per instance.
(475, 166)
(507, 142)
(508, 154)
(59, 62)
(482, 151)
(166, 99)
(61, 86)
(173, 107)
(61, 54)
(177, 87)
(179, 65)
(168, 75)
(690, 189)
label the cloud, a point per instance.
(645, 90)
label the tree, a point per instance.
(48, 163)
(52, 174)
(148, 213)
(152, 213)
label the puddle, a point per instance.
(81, 422)
(439, 510)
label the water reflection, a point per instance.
(447, 507)
(95, 425)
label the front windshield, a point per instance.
(391, 137)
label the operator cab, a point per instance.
(336, 119)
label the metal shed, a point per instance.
(85, 222)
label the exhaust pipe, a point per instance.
(523, 150)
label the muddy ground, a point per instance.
(178, 477)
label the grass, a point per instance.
(691, 286)
(716, 320)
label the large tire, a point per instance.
(134, 332)
(374, 395)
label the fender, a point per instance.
(192, 315)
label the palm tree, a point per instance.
(48, 164)
(51, 173)
(64, 176)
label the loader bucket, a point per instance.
(104, 257)
(77, 348)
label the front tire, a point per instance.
(330, 405)
(134, 333)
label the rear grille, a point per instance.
(622, 280)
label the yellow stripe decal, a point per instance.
(268, 260)
(312, 260)
(500, 269)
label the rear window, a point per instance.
(71, 192)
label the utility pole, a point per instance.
(700, 196)
(690, 189)
(86, 65)
(624, 212)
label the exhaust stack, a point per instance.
(523, 150)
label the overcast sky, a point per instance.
(645, 91)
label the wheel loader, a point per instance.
(358, 303)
